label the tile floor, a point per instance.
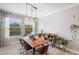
(13, 49)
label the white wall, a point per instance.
(60, 22)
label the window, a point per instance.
(28, 29)
(28, 26)
(15, 26)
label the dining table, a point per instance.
(37, 42)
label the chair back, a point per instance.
(21, 40)
(26, 45)
(43, 49)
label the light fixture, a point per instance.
(31, 11)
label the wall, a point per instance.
(60, 23)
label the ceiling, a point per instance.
(43, 8)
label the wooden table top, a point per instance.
(38, 42)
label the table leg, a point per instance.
(33, 51)
(54, 44)
(42, 44)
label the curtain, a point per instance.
(2, 27)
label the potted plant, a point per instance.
(62, 42)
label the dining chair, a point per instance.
(21, 41)
(43, 50)
(26, 47)
(21, 46)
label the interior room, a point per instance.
(39, 29)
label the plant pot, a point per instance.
(62, 46)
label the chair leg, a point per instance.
(46, 53)
(20, 50)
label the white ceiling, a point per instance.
(43, 8)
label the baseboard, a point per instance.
(73, 51)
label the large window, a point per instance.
(15, 28)
(28, 26)
(28, 29)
